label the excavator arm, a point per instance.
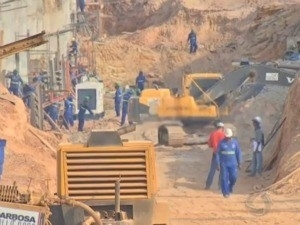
(22, 45)
(257, 74)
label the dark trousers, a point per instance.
(212, 171)
(193, 47)
(80, 123)
(117, 108)
(124, 114)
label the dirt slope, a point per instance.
(156, 42)
(285, 151)
(25, 155)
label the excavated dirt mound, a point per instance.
(285, 150)
(151, 36)
(26, 156)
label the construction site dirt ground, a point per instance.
(182, 173)
(157, 44)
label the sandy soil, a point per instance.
(151, 36)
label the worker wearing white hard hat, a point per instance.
(214, 139)
(258, 143)
(228, 160)
(256, 119)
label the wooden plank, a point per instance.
(9, 98)
(46, 143)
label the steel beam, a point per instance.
(22, 45)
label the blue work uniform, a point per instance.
(192, 38)
(15, 81)
(125, 105)
(53, 111)
(81, 115)
(28, 89)
(68, 113)
(118, 101)
(228, 158)
(81, 5)
(74, 47)
(140, 81)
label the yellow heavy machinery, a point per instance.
(87, 173)
(105, 181)
(193, 104)
(203, 97)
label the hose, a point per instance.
(86, 208)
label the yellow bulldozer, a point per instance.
(202, 97)
(105, 181)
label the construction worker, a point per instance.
(258, 143)
(140, 81)
(81, 5)
(53, 112)
(228, 158)
(214, 139)
(74, 47)
(74, 79)
(68, 113)
(28, 90)
(126, 97)
(118, 99)
(192, 39)
(81, 114)
(15, 82)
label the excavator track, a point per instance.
(171, 135)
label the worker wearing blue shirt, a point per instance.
(118, 99)
(228, 160)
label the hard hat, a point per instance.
(73, 39)
(117, 85)
(86, 98)
(220, 124)
(228, 133)
(127, 87)
(257, 119)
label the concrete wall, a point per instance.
(35, 16)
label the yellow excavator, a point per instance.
(204, 97)
(189, 105)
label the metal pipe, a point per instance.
(86, 208)
(117, 198)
